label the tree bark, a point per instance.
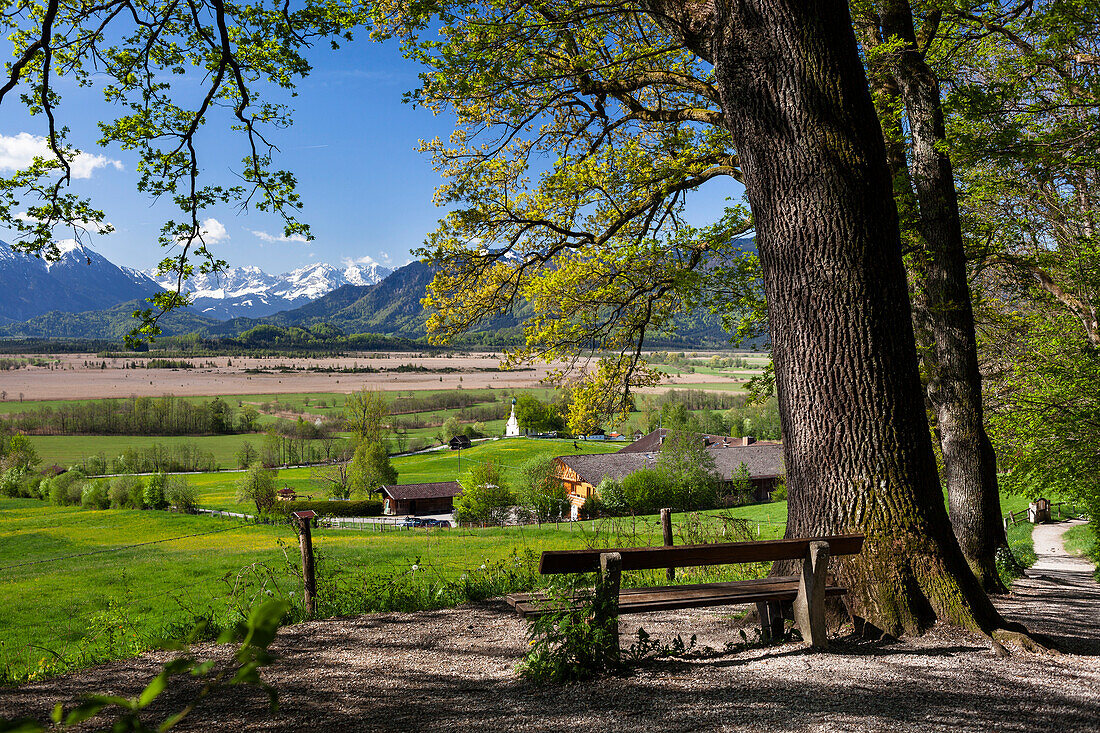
(857, 447)
(943, 312)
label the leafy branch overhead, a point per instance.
(582, 130)
(150, 55)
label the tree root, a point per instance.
(1020, 639)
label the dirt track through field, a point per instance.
(454, 670)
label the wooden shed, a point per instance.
(433, 498)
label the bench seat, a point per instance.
(674, 597)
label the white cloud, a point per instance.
(366, 260)
(213, 231)
(296, 238)
(19, 151)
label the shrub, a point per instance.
(592, 508)
(647, 490)
(179, 492)
(363, 508)
(611, 494)
(258, 486)
(569, 645)
(94, 495)
(11, 482)
(154, 492)
(779, 493)
(127, 492)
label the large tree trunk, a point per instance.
(857, 447)
(942, 309)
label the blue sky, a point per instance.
(367, 191)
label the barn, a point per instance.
(430, 498)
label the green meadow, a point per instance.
(78, 591)
(217, 490)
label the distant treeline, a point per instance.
(166, 415)
(451, 400)
(156, 458)
(698, 399)
(9, 364)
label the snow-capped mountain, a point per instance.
(253, 293)
(81, 280)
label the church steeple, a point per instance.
(511, 430)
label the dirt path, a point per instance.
(1059, 597)
(453, 670)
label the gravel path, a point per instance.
(453, 670)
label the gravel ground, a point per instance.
(453, 670)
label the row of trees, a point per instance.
(165, 415)
(75, 488)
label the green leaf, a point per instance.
(154, 688)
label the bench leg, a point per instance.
(607, 600)
(809, 606)
(771, 620)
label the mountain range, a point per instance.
(253, 293)
(84, 295)
(83, 280)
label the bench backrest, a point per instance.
(724, 553)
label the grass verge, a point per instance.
(1082, 540)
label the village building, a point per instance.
(431, 498)
(582, 474)
(460, 442)
(511, 430)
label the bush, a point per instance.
(779, 493)
(94, 495)
(11, 482)
(593, 508)
(610, 492)
(154, 492)
(127, 492)
(362, 508)
(647, 490)
(258, 486)
(179, 492)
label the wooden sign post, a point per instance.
(309, 581)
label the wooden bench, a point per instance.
(804, 594)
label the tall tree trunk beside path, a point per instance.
(858, 451)
(941, 294)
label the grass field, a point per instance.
(68, 450)
(77, 590)
(66, 606)
(217, 490)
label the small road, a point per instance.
(1059, 596)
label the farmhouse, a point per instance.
(582, 474)
(433, 498)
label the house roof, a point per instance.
(438, 490)
(652, 442)
(764, 460)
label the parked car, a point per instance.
(411, 522)
(430, 522)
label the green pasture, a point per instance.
(68, 450)
(218, 490)
(78, 593)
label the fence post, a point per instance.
(666, 530)
(309, 581)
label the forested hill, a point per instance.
(391, 307)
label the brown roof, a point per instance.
(764, 460)
(438, 490)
